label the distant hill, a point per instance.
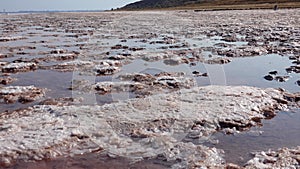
(154, 4)
(160, 3)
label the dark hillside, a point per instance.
(155, 4)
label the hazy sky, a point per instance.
(17, 5)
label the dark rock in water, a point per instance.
(282, 78)
(136, 49)
(273, 72)
(119, 46)
(295, 69)
(292, 58)
(58, 51)
(289, 70)
(196, 72)
(298, 82)
(269, 77)
(6, 81)
(106, 70)
(193, 64)
(297, 62)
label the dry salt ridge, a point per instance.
(142, 86)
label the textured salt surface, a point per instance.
(139, 128)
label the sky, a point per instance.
(42, 5)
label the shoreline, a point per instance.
(206, 7)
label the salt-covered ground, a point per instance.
(59, 70)
(159, 125)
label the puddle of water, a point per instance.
(56, 83)
(203, 41)
(248, 71)
(92, 161)
(281, 131)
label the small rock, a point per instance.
(273, 72)
(196, 72)
(63, 56)
(289, 70)
(297, 62)
(79, 134)
(117, 47)
(6, 81)
(58, 51)
(282, 78)
(269, 77)
(106, 70)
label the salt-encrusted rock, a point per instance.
(218, 60)
(106, 70)
(174, 61)
(294, 68)
(153, 84)
(77, 63)
(62, 56)
(3, 63)
(230, 38)
(7, 80)
(154, 56)
(11, 38)
(116, 57)
(119, 46)
(282, 78)
(4, 55)
(19, 67)
(271, 77)
(138, 128)
(107, 67)
(107, 87)
(137, 77)
(244, 51)
(23, 94)
(174, 82)
(110, 63)
(72, 65)
(282, 158)
(58, 51)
